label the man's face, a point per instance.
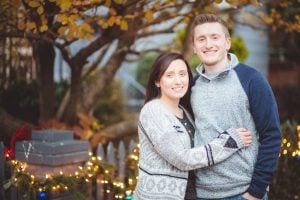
(211, 44)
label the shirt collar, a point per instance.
(233, 61)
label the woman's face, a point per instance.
(174, 82)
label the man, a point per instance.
(229, 94)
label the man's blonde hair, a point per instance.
(209, 18)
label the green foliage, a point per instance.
(143, 68)
(286, 182)
(238, 48)
(21, 100)
(110, 108)
(194, 62)
(60, 90)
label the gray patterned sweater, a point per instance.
(166, 154)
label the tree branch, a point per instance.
(28, 36)
(115, 132)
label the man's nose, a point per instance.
(208, 43)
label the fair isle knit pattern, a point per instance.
(166, 154)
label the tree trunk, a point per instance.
(69, 115)
(188, 43)
(8, 124)
(95, 89)
(44, 55)
(116, 132)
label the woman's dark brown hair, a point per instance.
(158, 68)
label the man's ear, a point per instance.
(228, 43)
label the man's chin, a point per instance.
(209, 63)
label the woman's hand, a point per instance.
(246, 136)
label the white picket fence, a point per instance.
(116, 156)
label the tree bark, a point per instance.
(188, 43)
(44, 54)
(95, 89)
(8, 124)
(116, 132)
(69, 115)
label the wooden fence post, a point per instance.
(99, 186)
(131, 146)
(111, 158)
(118, 159)
(121, 161)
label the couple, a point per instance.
(230, 148)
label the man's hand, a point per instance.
(249, 196)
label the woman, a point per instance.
(166, 133)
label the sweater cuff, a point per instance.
(256, 192)
(236, 136)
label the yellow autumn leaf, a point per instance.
(149, 15)
(70, 35)
(43, 28)
(66, 4)
(96, 1)
(40, 10)
(112, 11)
(80, 34)
(118, 20)
(111, 21)
(118, 1)
(74, 17)
(87, 28)
(186, 19)
(31, 25)
(43, 20)
(102, 23)
(107, 3)
(16, 3)
(255, 3)
(87, 134)
(62, 30)
(34, 4)
(124, 25)
(218, 1)
(63, 19)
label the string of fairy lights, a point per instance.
(290, 145)
(93, 170)
(101, 172)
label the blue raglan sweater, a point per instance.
(265, 115)
(238, 97)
